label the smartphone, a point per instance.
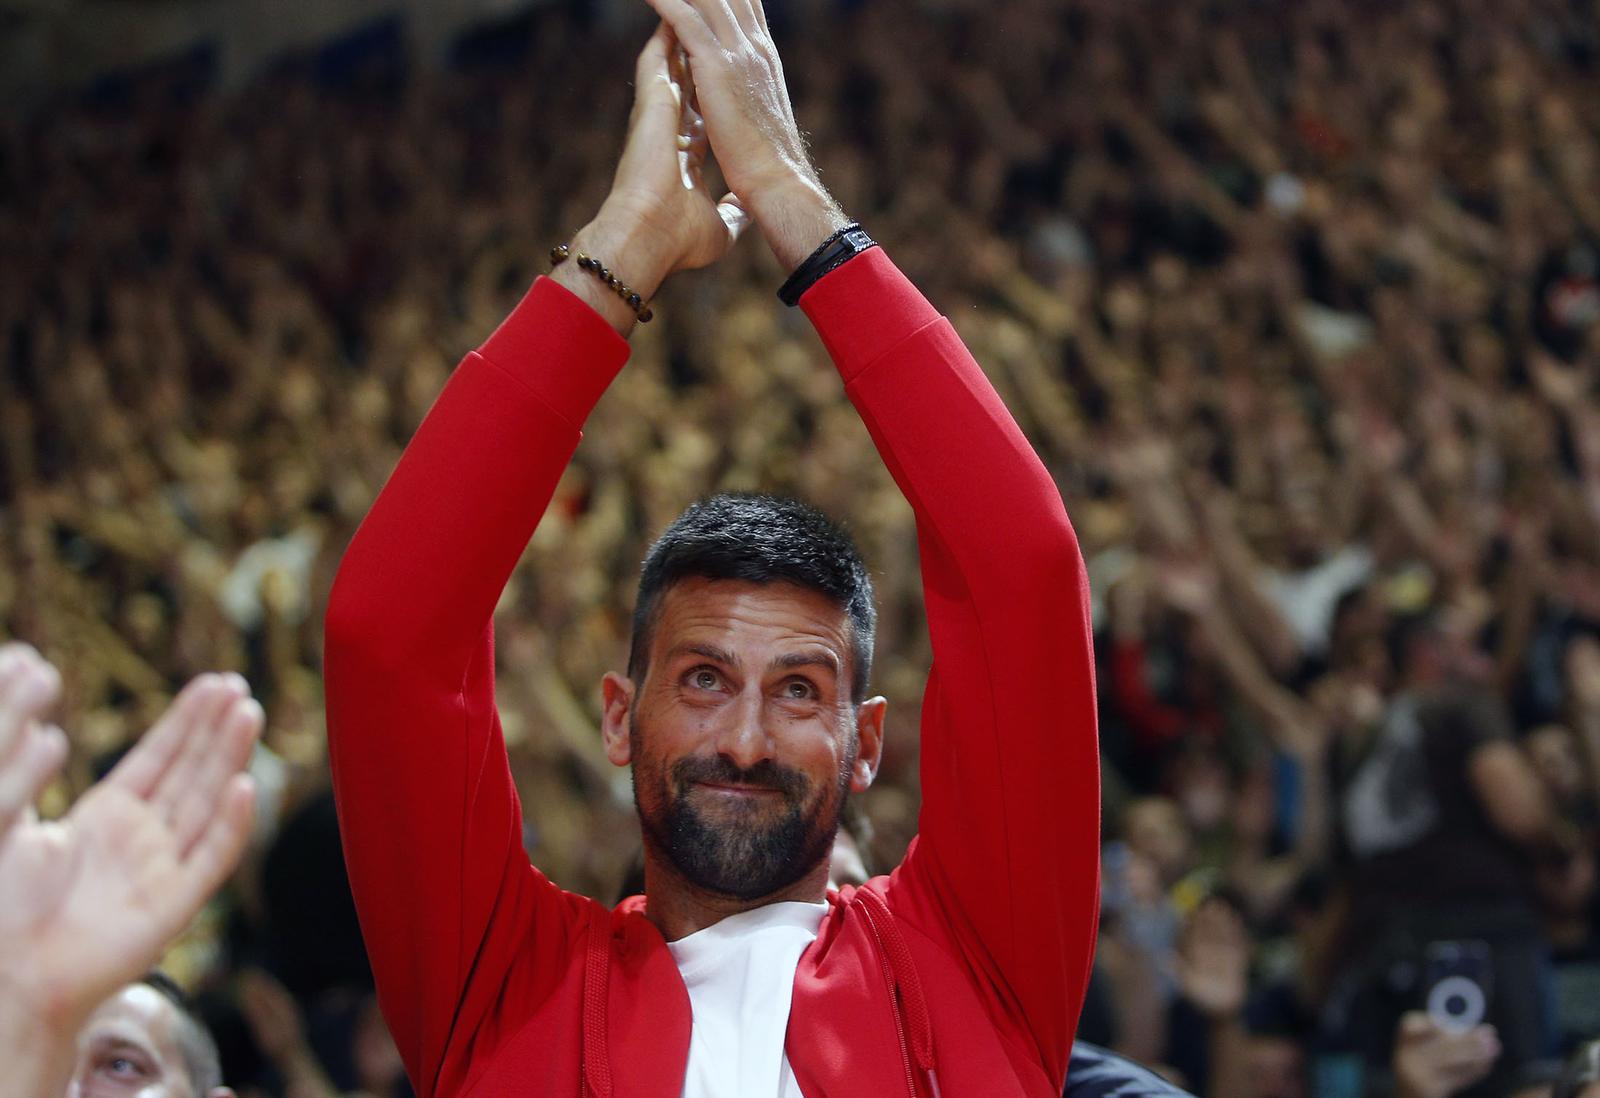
(1457, 983)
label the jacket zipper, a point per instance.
(894, 993)
(594, 1071)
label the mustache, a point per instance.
(718, 770)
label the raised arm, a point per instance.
(431, 822)
(1008, 838)
(1005, 870)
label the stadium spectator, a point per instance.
(145, 1040)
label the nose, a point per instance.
(742, 733)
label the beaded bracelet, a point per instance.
(563, 252)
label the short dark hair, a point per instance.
(199, 1048)
(759, 539)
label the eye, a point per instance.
(704, 678)
(123, 1067)
(799, 690)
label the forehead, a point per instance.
(736, 613)
(140, 1015)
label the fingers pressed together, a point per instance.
(708, 24)
(189, 768)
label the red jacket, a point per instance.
(960, 973)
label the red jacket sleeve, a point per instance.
(1007, 854)
(431, 822)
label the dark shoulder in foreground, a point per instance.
(1099, 1073)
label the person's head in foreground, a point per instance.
(143, 1042)
(744, 711)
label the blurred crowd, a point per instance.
(1300, 302)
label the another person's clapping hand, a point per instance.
(88, 902)
(31, 752)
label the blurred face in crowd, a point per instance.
(1155, 831)
(742, 736)
(1554, 755)
(1203, 788)
(133, 1047)
(1303, 537)
(1356, 642)
(1277, 1068)
(1253, 807)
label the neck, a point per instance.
(679, 907)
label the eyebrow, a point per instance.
(816, 657)
(819, 657)
(115, 1042)
(709, 651)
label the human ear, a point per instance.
(869, 743)
(616, 718)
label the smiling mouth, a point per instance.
(737, 790)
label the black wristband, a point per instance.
(834, 252)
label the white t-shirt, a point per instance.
(1307, 599)
(740, 976)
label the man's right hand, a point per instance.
(659, 217)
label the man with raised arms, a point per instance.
(744, 709)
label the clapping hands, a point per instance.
(750, 123)
(88, 902)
